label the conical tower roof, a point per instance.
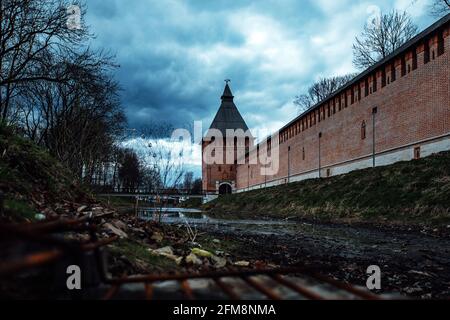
(228, 116)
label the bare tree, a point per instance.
(440, 8)
(188, 181)
(129, 172)
(77, 120)
(382, 37)
(320, 90)
(30, 31)
(160, 154)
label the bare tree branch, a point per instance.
(382, 37)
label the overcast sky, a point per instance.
(175, 54)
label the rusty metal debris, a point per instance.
(221, 281)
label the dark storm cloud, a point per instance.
(175, 54)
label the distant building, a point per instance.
(220, 177)
(397, 110)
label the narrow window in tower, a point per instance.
(433, 55)
(441, 45)
(231, 168)
(409, 68)
(363, 130)
(359, 92)
(352, 97)
(329, 110)
(303, 153)
(426, 52)
(375, 82)
(414, 59)
(366, 87)
(383, 77)
(403, 66)
(393, 72)
(220, 169)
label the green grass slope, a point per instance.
(416, 192)
(31, 181)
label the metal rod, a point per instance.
(266, 291)
(187, 289)
(295, 287)
(148, 291)
(30, 261)
(111, 292)
(211, 274)
(226, 289)
(346, 287)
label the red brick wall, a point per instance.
(412, 108)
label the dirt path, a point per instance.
(412, 263)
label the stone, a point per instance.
(157, 236)
(81, 209)
(242, 263)
(164, 252)
(193, 259)
(201, 253)
(115, 230)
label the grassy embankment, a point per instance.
(31, 181)
(415, 192)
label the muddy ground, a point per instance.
(413, 263)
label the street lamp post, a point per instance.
(320, 159)
(374, 112)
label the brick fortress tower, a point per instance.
(220, 178)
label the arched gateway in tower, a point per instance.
(218, 166)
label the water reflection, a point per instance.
(197, 218)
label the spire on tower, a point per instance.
(227, 91)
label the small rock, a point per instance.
(411, 290)
(115, 230)
(179, 260)
(164, 252)
(39, 216)
(242, 264)
(119, 224)
(157, 236)
(193, 259)
(219, 262)
(81, 209)
(201, 253)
